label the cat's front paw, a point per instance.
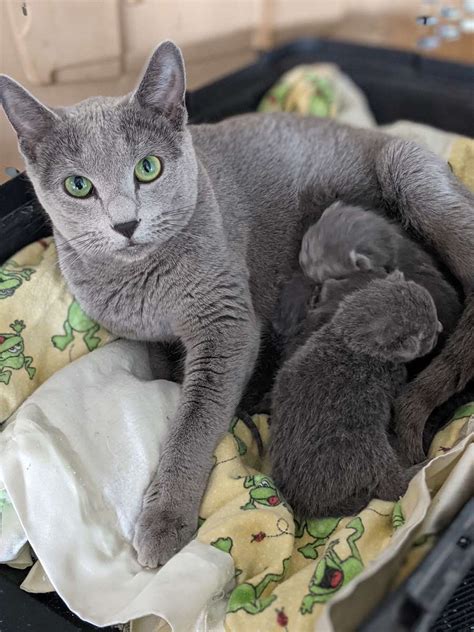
(160, 533)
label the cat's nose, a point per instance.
(126, 228)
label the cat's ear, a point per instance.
(30, 119)
(163, 85)
(360, 262)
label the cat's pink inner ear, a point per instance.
(163, 84)
(30, 118)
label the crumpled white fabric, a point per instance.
(75, 460)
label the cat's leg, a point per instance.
(218, 363)
(447, 374)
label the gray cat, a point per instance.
(167, 231)
(350, 238)
(332, 400)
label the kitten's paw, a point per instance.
(159, 534)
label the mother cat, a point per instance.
(168, 231)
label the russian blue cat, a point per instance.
(171, 231)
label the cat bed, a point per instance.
(262, 570)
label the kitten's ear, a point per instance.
(396, 276)
(30, 119)
(163, 85)
(408, 349)
(360, 262)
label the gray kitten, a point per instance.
(346, 239)
(332, 400)
(304, 307)
(170, 231)
(350, 238)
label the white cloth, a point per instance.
(75, 460)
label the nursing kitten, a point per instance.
(332, 400)
(346, 239)
(350, 238)
(303, 307)
(168, 231)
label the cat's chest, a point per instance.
(128, 307)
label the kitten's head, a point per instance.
(116, 175)
(391, 319)
(345, 240)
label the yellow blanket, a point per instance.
(42, 327)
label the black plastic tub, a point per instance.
(398, 85)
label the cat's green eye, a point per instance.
(78, 186)
(148, 169)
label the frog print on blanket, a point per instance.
(4, 500)
(262, 492)
(12, 357)
(226, 544)
(320, 529)
(398, 517)
(77, 322)
(249, 598)
(332, 572)
(241, 445)
(12, 276)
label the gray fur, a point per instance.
(302, 307)
(216, 231)
(332, 400)
(348, 238)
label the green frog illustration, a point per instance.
(321, 530)
(12, 357)
(241, 445)
(248, 597)
(398, 517)
(226, 545)
(4, 500)
(12, 276)
(332, 572)
(77, 322)
(262, 492)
